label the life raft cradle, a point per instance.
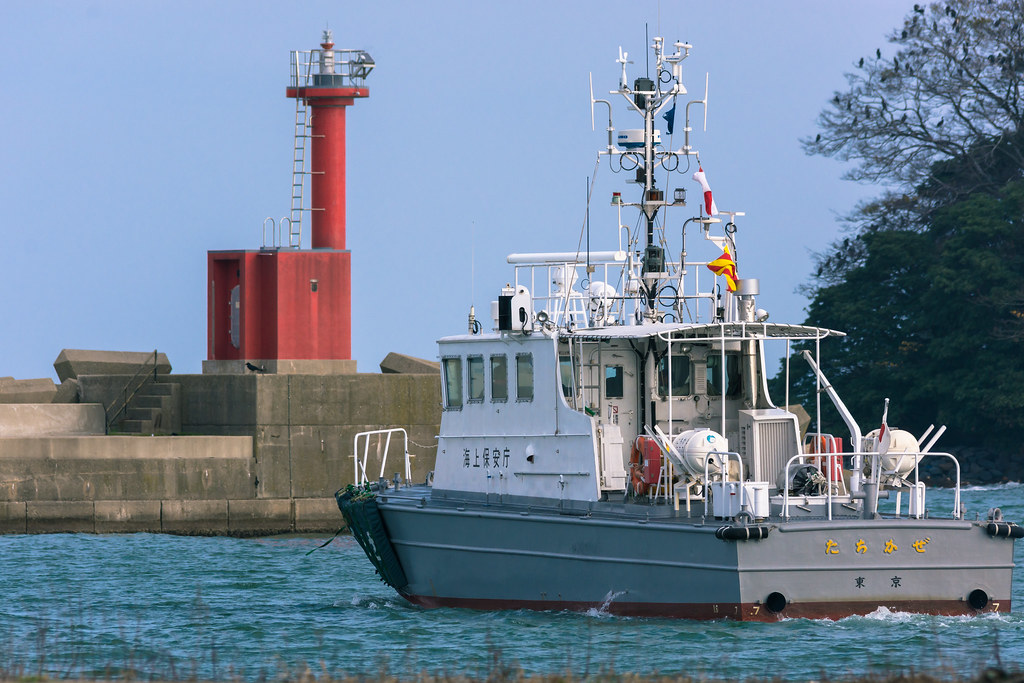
(359, 507)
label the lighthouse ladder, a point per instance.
(299, 171)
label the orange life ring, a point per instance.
(644, 464)
(826, 450)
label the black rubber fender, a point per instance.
(1004, 530)
(742, 533)
(359, 507)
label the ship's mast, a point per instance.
(648, 97)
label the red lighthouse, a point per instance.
(283, 308)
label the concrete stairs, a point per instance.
(155, 409)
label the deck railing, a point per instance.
(383, 447)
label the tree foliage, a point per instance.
(935, 320)
(929, 281)
(952, 91)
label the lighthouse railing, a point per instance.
(343, 67)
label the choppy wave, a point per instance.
(1005, 486)
(174, 607)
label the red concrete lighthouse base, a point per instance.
(279, 310)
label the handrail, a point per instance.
(350, 66)
(956, 513)
(803, 457)
(724, 476)
(128, 392)
(359, 478)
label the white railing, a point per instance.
(560, 285)
(383, 446)
(877, 479)
(724, 477)
(804, 458)
(351, 67)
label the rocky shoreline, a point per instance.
(978, 467)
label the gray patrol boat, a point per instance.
(612, 444)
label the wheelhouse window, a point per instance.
(680, 376)
(452, 383)
(565, 371)
(499, 378)
(613, 381)
(476, 379)
(731, 376)
(524, 376)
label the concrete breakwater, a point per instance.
(238, 454)
(191, 484)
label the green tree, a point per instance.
(974, 318)
(935, 320)
(929, 281)
(952, 90)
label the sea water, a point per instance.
(153, 606)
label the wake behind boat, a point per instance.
(612, 443)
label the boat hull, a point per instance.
(486, 557)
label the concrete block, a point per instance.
(279, 403)
(311, 367)
(102, 389)
(317, 515)
(53, 516)
(273, 400)
(402, 364)
(67, 392)
(73, 363)
(164, 400)
(195, 517)
(224, 401)
(425, 400)
(423, 449)
(293, 399)
(259, 517)
(126, 468)
(394, 400)
(12, 518)
(40, 390)
(272, 465)
(316, 453)
(334, 403)
(367, 400)
(279, 367)
(51, 419)
(127, 516)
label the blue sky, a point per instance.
(136, 136)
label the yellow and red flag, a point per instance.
(725, 265)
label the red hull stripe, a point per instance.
(725, 610)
